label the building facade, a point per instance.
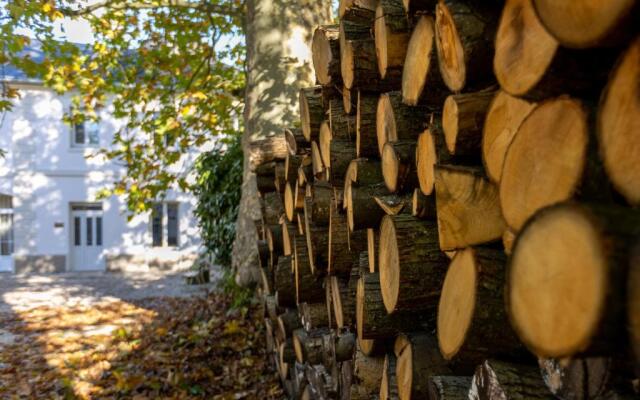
(50, 218)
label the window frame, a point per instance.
(86, 134)
(162, 238)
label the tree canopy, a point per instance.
(165, 66)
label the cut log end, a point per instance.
(390, 167)
(619, 125)
(323, 56)
(346, 64)
(325, 144)
(450, 49)
(557, 316)
(583, 24)
(523, 48)
(385, 122)
(426, 159)
(457, 303)
(504, 117)
(389, 264)
(545, 161)
(418, 60)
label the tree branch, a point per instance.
(141, 5)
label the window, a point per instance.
(6, 225)
(165, 223)
(86, 134)
(98, 231)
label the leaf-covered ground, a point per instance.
(154, 348)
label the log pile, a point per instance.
(456, 216)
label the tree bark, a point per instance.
(325, 50)
(449, 387)
(399, 165)
(417, 361)
(366, 137)
(463, 117)
(284, 283)
(497, 379)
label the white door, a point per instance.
(87, 238)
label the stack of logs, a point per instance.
(454, 217)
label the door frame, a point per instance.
(70, 231)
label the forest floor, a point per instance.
(171, 347)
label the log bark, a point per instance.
(343, 300)
(399, 165)
(530, 63)
(465, 32)
(394, 204)
(618, 126)
(341, 154)
(311, 111)
(580, 25)
(497, 379)
(362, 209)
(293, 200)
(366, 136)
(272, 208)
(321, 203)
(291, 165)
(412, 268)
(546, 160)
(272, 148)
(463, 117)
(284, 283)
(449, 387)
(287, 322)
(344, 346)
(361, 172)
(413, 7)
(360, 11)
(417, 361)
(367, 373)
(342, 124)
(309, 346)
(372, 319)
(397, 121)
(274, 242)
(578, 378)
(389, 382)
(308, 286)
(325, 50)
(288, 230)
(264, 255)
(341, 258)
(472, 321)
(586, 251)
(317, 238)
(503, 119)
(313, 315)
(633, 304)
(391, 33)
(423, 207)
(468, 208)
(318, 169)
(279, 179)
(421, 79)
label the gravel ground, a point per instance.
(22, 292)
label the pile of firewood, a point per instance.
(454, 217)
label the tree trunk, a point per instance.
(275, 73)
(412, 267)
(582, 310)
(468, 208)
(500, 380)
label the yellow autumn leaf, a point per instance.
(199, 96)
(186, 110)
(46, 7)
(231, 327)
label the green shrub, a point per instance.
(219, 181)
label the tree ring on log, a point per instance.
(504, 117)
(545, 161)
(389, 264)
(583, 23)
(450, 50)
(457, 303)
(418, 60)
(557, 282)
(619, 125)
(523, 48)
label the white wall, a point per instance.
(45, 174)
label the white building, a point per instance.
(50, 220)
